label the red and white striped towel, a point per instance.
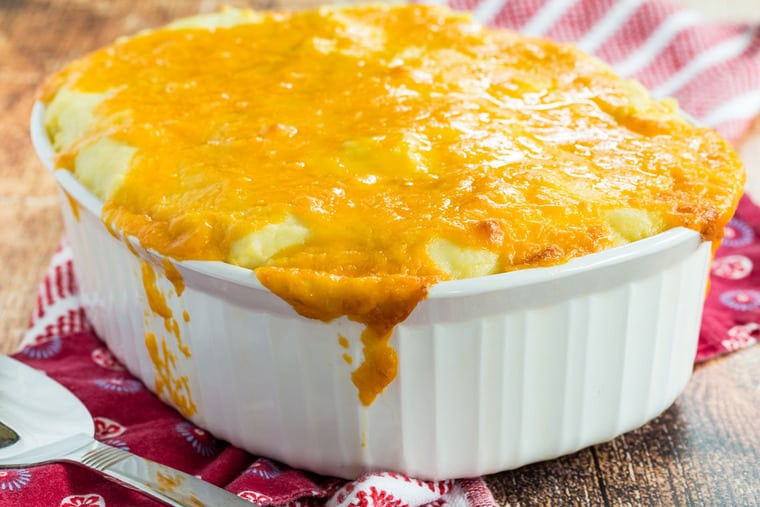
(714, 72)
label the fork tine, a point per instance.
(103, 457)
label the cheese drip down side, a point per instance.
(379, 303)
(355, 156)
(169, 384)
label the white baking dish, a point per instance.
(494, 372)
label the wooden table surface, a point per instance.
(704, 450)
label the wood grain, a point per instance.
(704, 450)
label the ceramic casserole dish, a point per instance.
(494, 372)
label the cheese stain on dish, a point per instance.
(169, 386)
(174, 276)
(344, 343)
(73, 204)
(114, 233)
(131, 248)
(157, 301)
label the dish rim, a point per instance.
(220, 270)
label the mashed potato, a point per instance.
(355, 156)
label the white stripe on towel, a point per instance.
(716, 54)
(615, 18)
(660, 38)
(545, 18)
(486, 10)
(740, 107)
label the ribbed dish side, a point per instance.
(472, 397)
(536, 384)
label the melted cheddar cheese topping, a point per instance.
(355, 156)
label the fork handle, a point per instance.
(160, 482)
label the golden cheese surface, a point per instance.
(355, 156)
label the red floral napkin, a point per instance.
(731, 319)
(713, 70)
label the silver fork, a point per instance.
(43, 422)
